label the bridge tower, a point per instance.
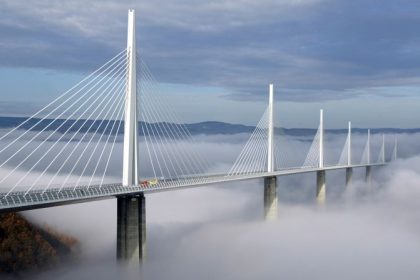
(349, 170)
(131, 210)
(270, 183)
(320, 174)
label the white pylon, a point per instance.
(349, 146)
(130, 153)
(321, 138)
(270, 157)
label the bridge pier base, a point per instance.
(320, 187)
(131, 228)
(270, 198)
(368, 176)
(349, 180)
(349, 176)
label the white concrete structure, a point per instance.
(131, 213)
(320, 175)
(349, 145)
(321, 138)
(270, 157)
(130, 153)
(270, 183)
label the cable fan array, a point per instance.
(169, 146)
(288, 151)
(71, 141)
(253, 157)
(74, 142)
(312, 158)
(344, 156)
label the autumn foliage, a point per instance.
(25, 247)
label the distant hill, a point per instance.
(25, 247)
(208, 127)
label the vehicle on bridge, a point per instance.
(148, 183)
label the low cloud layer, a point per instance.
(39, 165)
(218, 233)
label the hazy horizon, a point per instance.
(218, 231)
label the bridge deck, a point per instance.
(19, 201)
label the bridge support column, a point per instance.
(349, 176)
(131, 228)
(320, 187)
(368, 176)
(270, 198)
(349, 179)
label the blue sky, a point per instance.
(359, 60)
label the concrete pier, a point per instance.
(349, 176)
(368, 176)
(320, 188)
(270, 198)
(349, 189)
(131, 228)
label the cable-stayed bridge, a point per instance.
(114, 135)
